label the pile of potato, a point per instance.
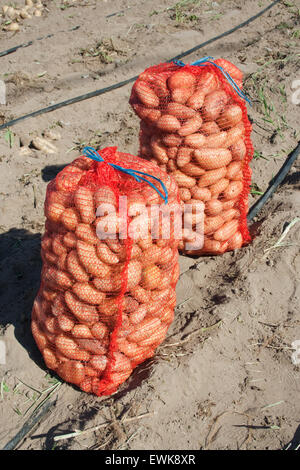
(12, 16)
(195, 126)
(104, 305)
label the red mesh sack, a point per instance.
(194, 124)
(104, 304)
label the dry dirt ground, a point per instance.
(224, 378)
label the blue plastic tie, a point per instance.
(90, 152)
(209, 60)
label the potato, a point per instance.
(168, 123)
(211, 159)
(231, 116)
(185, 194)
(181, 79)
(210, 128)
(50, 359)
(211, 177)
(172, 152)
(213, 207)
(230, 68)
(146, 94)
(236, 241)
(181, 95)
(86, 233)
(219, 187)
(68, 347)
(207, 83)
(216, 140)
(145, 329)
(71, 371)
(148, 114)
(87, 293)
(202, 194)
(191, 126)
(214, 104)
(232, 169)
(234, 135)
(184, 156)
(158, 150)
(83, 312)
(195, 140)
(70, 218)
(75, 268)
(183, 180)
(171, 140)
(81, 331)
(213, 223)
(196, 100)
(211, 246)
(227, 230)
(230, 214)
(192, 169)
(84, 203)
(233, 190)
(43, 144)
(238, 150)
(179, 110)
(151, 277)
(90, 261)
(54, 211)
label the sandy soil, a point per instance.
(224, 379)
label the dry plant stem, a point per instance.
(100, 426)
(132, 79)
(132, 436)
(193, 333)
(279, 243)
(212, 435)
(272, 404)
(101, 446)
(249, 436)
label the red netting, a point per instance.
(104, 304)
(195, 126)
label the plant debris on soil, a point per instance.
(226, 376)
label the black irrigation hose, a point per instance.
(29, 43)
(67, 102)
(117, 13)
(227, 33)
(35, 418)
(275, 182)
(29, 425)
(125, 82)
(26, 44)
